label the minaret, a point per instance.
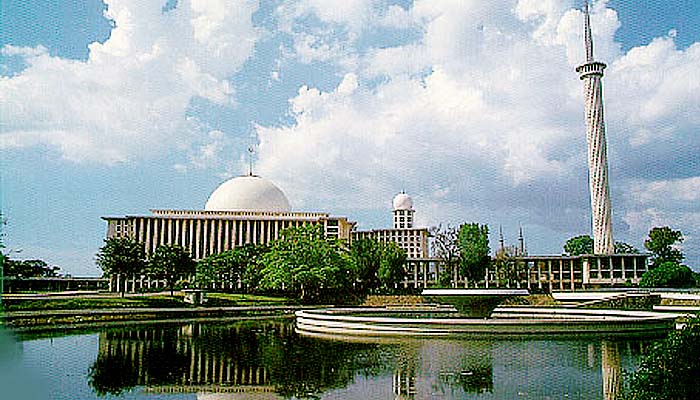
(591, 73)
(501, 241)
(403, 211)
(521, 242)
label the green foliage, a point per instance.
(671, 369)
(231, 267)
(505, 266)
(391, 266)
(670, 275)
(660, 243)
(376, 265)
(121, 257)
(366, 257)
(170, 262)
(473, 243)
(625, 248)
(29, 269)
(303, 262)
(577, 245)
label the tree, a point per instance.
(670, 275)
(445, 248)
(29, 269)
(303, 262)
(231, 268)
(365, 255)
(661, 244)
(392, 268)
(671, 369)
(473, 243)
(170, 262)
(505, 265)
(121, 257)
(625, 248)
(577, 245)
(376, 265)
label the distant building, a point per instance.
(413, 240)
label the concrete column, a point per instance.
(141, 237)
(148, 237)
(190, 232)
(227, 234)
(162, 231)
(247, 229)
(171, 229)
(573, 281)
(561, 274)
(624, 273)
(197, 236)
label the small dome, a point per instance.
(247, 193)
(402, 201)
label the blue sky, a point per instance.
(472, 107)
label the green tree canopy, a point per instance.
(365, 255)
(302, 262)
(625, 248)
(170, 262)
(376, 265)
(230, 267)
(392, 268)
(473, 243)
(121, 257)
(671, 368)
(577, 245)
(505, 265)
(29, 268)
(661, 242)
(670, 275)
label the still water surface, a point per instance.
(268, 360)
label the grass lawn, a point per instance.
(162, 301)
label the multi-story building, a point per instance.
(413, 240)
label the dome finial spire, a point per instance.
(251, 150)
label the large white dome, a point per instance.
(402, 201)
(247, 193)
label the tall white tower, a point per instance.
(591, 73)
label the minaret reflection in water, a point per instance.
(270, 360)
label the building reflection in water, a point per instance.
(268, 360)
(260, 357)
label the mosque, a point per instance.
(243, 210)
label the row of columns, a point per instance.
(203, 237)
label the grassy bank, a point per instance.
(150, 301)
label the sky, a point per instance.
(472, 107)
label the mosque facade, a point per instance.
(243, 210)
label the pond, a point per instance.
(266, 359)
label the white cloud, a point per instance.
(129, 98)
(481, 118)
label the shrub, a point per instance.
(670, 370)
(670, 275)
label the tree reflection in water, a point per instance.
(265, 356)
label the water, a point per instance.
(268, 360)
